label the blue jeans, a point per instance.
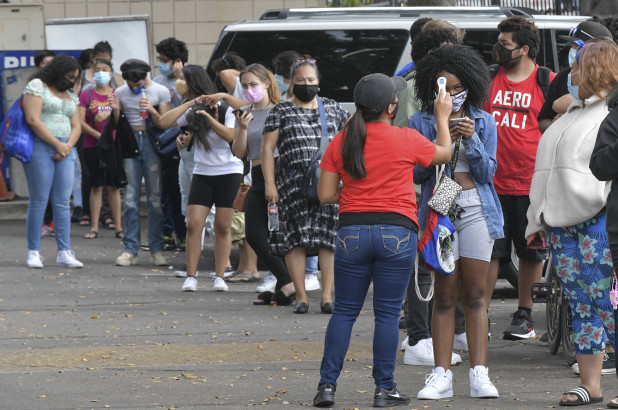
(384, 254)
(311, 265)
(49, 180)
(147, 165)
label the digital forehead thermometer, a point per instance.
(441, 84)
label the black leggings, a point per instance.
(256, 228)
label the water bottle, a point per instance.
(273, 217)
(143, 112)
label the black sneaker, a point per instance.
(325, 396)
(389, 398)
(609, 363)
(522, 327)
(169, 243)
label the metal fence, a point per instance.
(562, 7)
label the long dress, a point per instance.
(302, 222)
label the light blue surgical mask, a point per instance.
(283, 86)
(572, 55)
(573, 89)
(164, 68)
(102, 78)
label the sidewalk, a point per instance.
(127, 338)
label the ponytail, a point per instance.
(352, 150)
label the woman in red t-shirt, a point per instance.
(377, 233)
(94, 110)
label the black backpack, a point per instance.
(542, 77)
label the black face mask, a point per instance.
(502, 55)
(64, 84)
(305, 92)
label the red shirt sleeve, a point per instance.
(423, 149)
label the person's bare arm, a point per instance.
(76, 129)
(329, 189)
(442, 109)
(228, 79)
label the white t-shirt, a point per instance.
(156, 93)
(219, 160)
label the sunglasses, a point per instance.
(575, 31)
(305, 59)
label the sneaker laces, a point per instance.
(482, 375)
(519, 318)
(429, 346)
(430, 378)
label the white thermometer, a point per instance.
(441, 85)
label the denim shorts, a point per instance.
(472, 237)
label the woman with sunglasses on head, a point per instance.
(477, 219)
(568, 212)
(294, 128)
(50, 109)
(377, 233)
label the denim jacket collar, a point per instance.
(475, 114)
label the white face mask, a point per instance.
(572, 55)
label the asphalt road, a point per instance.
(127, 338)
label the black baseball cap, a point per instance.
(586, 31)
(134, 69)
(375, 92)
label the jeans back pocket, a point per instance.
(395, 238)
(348, 238)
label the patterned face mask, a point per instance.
(457, 99)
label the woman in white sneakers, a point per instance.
(477, 219)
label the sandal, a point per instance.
(583, 397)
(120, 234)
(263, 298)
(108, 223)
(611, 405)
(84, 220)
(242, 278)
(279, 299)
(91, 235)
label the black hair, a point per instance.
(283, 62)
(459, 60)
(134, 76)
(417, 27)
(232, 60)
(173, 49)
(41, 55)
(612, 97)
(611, 23)
(525, 33)
(56, 71)
(355, 136)
(103, 61)
(102, 47)
(85, 57)
(297, 66)
(199, 125)
(198, 80)
(431, 39)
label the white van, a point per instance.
(349, 43)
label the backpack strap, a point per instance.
(542, 78)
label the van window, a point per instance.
(343, 56)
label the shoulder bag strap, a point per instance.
(324, 137)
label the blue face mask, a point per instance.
(572, 55)
(102, 78)
(283, 86)
(137, 90)
(573, 89)
(164, 68)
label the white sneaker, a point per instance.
(438, 385)
(421, 354)
(460, 342)
(67, 258)
(480, 385)
(126, 259)
(190, 284)
(183, 273)
(268, 285)
(312, 282)
(35, 260)
(158, 259)
(219, 285)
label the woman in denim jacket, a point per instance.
(478, 218)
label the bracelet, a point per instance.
(195, 101)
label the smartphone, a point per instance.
(538, 243)
(453, 122)
(238, 111)
(441, 85)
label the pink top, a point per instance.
(97, 113)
